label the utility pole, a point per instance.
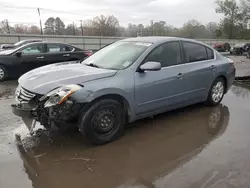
(7, 25)
(152, 25)
(41, 27)
(74, 28)
(81, 27)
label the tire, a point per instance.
(241, 52)
(3, 73)
(227, 47)
(219, 87)
(103, 121)
(248, 55)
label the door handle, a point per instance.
(41, 57)
(212, 67)
(180, 76)
(66, 55)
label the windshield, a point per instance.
(118, 55)
(6, 52)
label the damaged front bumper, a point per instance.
(26, 113)
(55, 110)
(57, 117)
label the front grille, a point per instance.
(24, 95)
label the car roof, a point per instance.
(159, 40)
(50, 42)
(33, 40)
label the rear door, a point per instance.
(59, 53)
(198, 71)
(54, 54)
(33, 56)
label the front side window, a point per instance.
(168, 54)
(194, 52)
(33, 49)
(118, 55)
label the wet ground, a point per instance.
(193, 147)
(242, 65)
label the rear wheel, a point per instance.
(103, 122)
(216, 92)
(3, 73)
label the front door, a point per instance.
(160, 90)
(33, 56)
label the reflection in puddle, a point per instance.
(150, 148)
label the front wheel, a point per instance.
(103, 121)
(216, 92)
(3, 73)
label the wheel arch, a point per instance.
(225, 81)
(121, 99)
(89, 97)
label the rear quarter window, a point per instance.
(210, 54)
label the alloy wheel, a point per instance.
(217, 92)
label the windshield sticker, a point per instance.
(143, 44)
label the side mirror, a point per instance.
(19, 54)
(151, 66)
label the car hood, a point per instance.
(6, 46)
(5, 52)
(47, 78)
(239, 45)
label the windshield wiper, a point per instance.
(92, 65)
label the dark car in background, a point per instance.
(19, 44)
(222, 47)
(15, 62)
(240, 48)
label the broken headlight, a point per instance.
(59, 95)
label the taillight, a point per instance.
(231, 65)
(88, 52)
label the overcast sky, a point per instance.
(174, 12)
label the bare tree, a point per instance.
(107, 26)
(21, 29)
(232, 12)
(34, 30)
(59, 26)
(212, 27)
(4, 27)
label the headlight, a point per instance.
(59, 95)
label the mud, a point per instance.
(193, 147)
